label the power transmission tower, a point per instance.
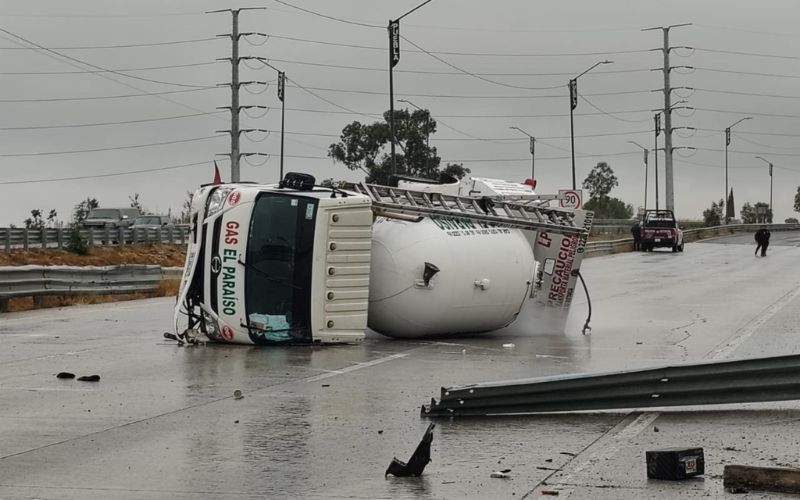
(235, 131)
(668, 172)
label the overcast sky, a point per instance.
(71, 128)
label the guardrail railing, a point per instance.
(23, 238)
(39, 281)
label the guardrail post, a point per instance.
(183, 235)
(60, 237)
(158, 235)
(135, 236)
(170, 238)
(121, 235)
(8, 239)
(44, 237)
(106, 236)
(25, 239)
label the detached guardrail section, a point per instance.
(739, 381)
(38, 281)
(23, 238)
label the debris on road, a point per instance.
(237, 394)
(743, 478)
(89, 378)
(675, 463)
(65, 375)
(416, 464)
(499, 474)
(509, 346)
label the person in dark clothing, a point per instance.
(636, 232)
(762, 241)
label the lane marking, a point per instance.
(355, 367)
(744, 333)
(604, 447)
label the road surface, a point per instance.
(324, 422)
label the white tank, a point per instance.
(484, 275)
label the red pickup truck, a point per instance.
(660, 229)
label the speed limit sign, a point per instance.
(570, 198)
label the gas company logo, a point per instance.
(234, 198)
(227, 332)
(230, 258)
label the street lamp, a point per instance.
(394, 58)
(645, 170)
(532, 147)
(727, 143)
(770, 186)
(427, 133)
(573, 103)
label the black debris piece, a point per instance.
(65, 375)
(416, 464)
(89, 378)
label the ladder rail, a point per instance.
(388, 201)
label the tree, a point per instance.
(730, 207)
(38, 221)
(186, 212)
(601, 180)
(81, 210)
(609, 208)
(713, 216)
(365, 148)
(797, 200)
(748, 214)
(135, 203)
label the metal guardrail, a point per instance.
(23, 238)
(605, 247)
(739, 381)
(38, 281)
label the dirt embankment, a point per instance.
(163, 255)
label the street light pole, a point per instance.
(532, 148)
(394, 58)
(573, 103)
(770, 187)
(645, 171)
(727, 143)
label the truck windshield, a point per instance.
(280, 252)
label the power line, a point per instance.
(124, 96)
(754, 94)
(86, 72)
(510, 160)
(754, 113)
(102, 124)
(422, 72)
(752, 54)
(136, 146)
(458, 53)
(551, 115)
(768, 153)
(64, 56)
(126, 46)
(753, 73)
(452, 96)
(318, 14)
(95, 176)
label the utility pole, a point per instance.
(645, 170)
(668, 172)
(657, 130)
(235, 108)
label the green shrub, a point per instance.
(77, 243)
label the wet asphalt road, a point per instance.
(325, 422)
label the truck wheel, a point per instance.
(674, 248)
(680, 248)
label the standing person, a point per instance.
(762, 241)
(636, 232)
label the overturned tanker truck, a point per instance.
(296, 262)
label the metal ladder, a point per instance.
(396, 202)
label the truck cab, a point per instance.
(279, 263)
(660, 230)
